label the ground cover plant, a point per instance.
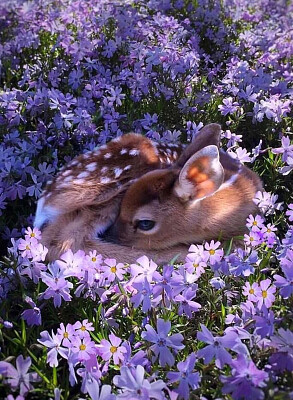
(75, 74)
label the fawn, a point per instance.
(134, 197)
(204, 195)
(83, 200)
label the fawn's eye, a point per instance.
(145, 224)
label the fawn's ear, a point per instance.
(201, 175)
(208, 135)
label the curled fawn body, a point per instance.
(84, 198)
(204, 195)
(134, 197)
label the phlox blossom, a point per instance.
(215, 254)
(249, 291)
(112, 270)
(19, 376)
(265, 293)
(83, 348)
(246, 380)
(217, 345)
(134, 386)
(285, 283)
(144, 268)
(186, 377)
(111, 348)
(54, 344)
(162, 342)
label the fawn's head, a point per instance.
(203, 195)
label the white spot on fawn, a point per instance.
(104, 170)
(91, 167)
(107, 155)
(83, 174)
(105, 180)
(117, 172)
(68, 178)
(78, 181)
(123, 151)
(127, 167)
(67, 172)
(134, 152)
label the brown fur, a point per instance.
(84, 206)
(150, 194)
(180, 219)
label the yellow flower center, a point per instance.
(212, 252)
(264, 294)
(251, 238)
(195, 265)
(32, 234)
(82, 347)
(254, 223)
(269, 230)
(65, 335)
(27, 247)
(83, 328)
(113, 349)
(113, 269)
(94, 259)
(251, 291)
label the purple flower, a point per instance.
(217, 347)
(214, 253)
(83, 348)
(162, 341)
(32, 316)
(249, 291)
(217, 282)
(282, 359)
(111, 348)
(186, 377)
(285, 283)
(83, 328)
(286, 149)
(264, 324)
(267, 202)
(144, 268)
(228, 107)
(289, 212)
(246, 380)
(186, 305)
(138, 358)
(143, 295)
(65, 334)
(265, 294)
(135, 387)
(58, 286)
(54, 344)
(240, 154)
(112, 270)
(19, 377)
(99, 393)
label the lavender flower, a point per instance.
(265, 293)
(162, 341)
(133, 385)
(111, 348)
(282, 359)
(246, 380)
(54, 344)
(19, 377)
(217, 347)
(186, 377)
